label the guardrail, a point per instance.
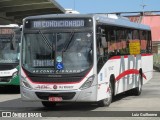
(156, 62)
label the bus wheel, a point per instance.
(48, 104)
(137, 91)
(107, 101)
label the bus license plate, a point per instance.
(55, 99)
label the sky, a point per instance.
(108, 6)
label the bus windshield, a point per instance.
(9, 47)
(57, 52)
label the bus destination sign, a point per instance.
(4, 31)
(58, 23)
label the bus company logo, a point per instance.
(54, 86)
(43, 87)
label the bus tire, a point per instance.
(48, 104)
(107, 101)
(137, 91)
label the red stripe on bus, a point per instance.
(118, 57)
(146, 54)
(128, 72)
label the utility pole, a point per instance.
(143, 6)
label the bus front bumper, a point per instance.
(85, 95)
(11, 81)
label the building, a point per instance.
(13, 11)
(153, 20)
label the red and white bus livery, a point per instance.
(83, 58)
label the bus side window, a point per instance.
(129, 35)
(112, 47)
(149, 43)
(135, 35)
(143, 38)
(129, 38)
(120, 41)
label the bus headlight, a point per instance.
(88, 82)
(15, 74)
(24, 83)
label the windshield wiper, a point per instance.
(46, 41)
(70, 40)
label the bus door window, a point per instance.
(102, 47)
(102, 43)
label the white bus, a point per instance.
(9, 54)
(83, 58)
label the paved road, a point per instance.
(148, 101)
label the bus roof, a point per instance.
(9, 26)
(110, 19)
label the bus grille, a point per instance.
(5, 79)
(56, 79)
(65, 96)
(7, 66)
